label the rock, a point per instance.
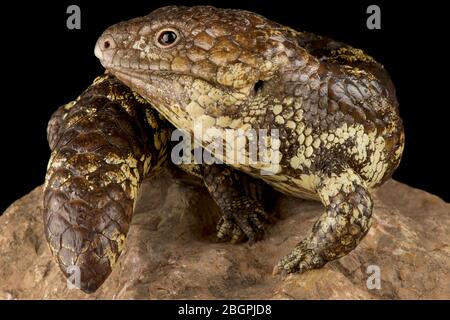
(171, 252)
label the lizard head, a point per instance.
(193, 62)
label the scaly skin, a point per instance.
(242, 214)
(334, 106)
(102, 146)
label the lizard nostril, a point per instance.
(104, 48)
(106, 42)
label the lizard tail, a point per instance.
(102, 147)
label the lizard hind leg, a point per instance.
(243, 216)
(347, 219)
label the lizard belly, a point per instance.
(302, 186)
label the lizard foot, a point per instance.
(299, 260)
(242, 218)
(346, 220)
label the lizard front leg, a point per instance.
(242, 215)
(345, 222)
(101, 149)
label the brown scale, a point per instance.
(280, 75)
(334, 84)
(87, 216)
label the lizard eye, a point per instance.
(167, 38)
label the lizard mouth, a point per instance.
(141, 79)
(144, 77)
(129, 62)
(130, 68)
(152, 86)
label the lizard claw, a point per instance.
(245, 221)
(299, 260)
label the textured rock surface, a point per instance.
(171, 252)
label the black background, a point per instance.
(45, 65)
